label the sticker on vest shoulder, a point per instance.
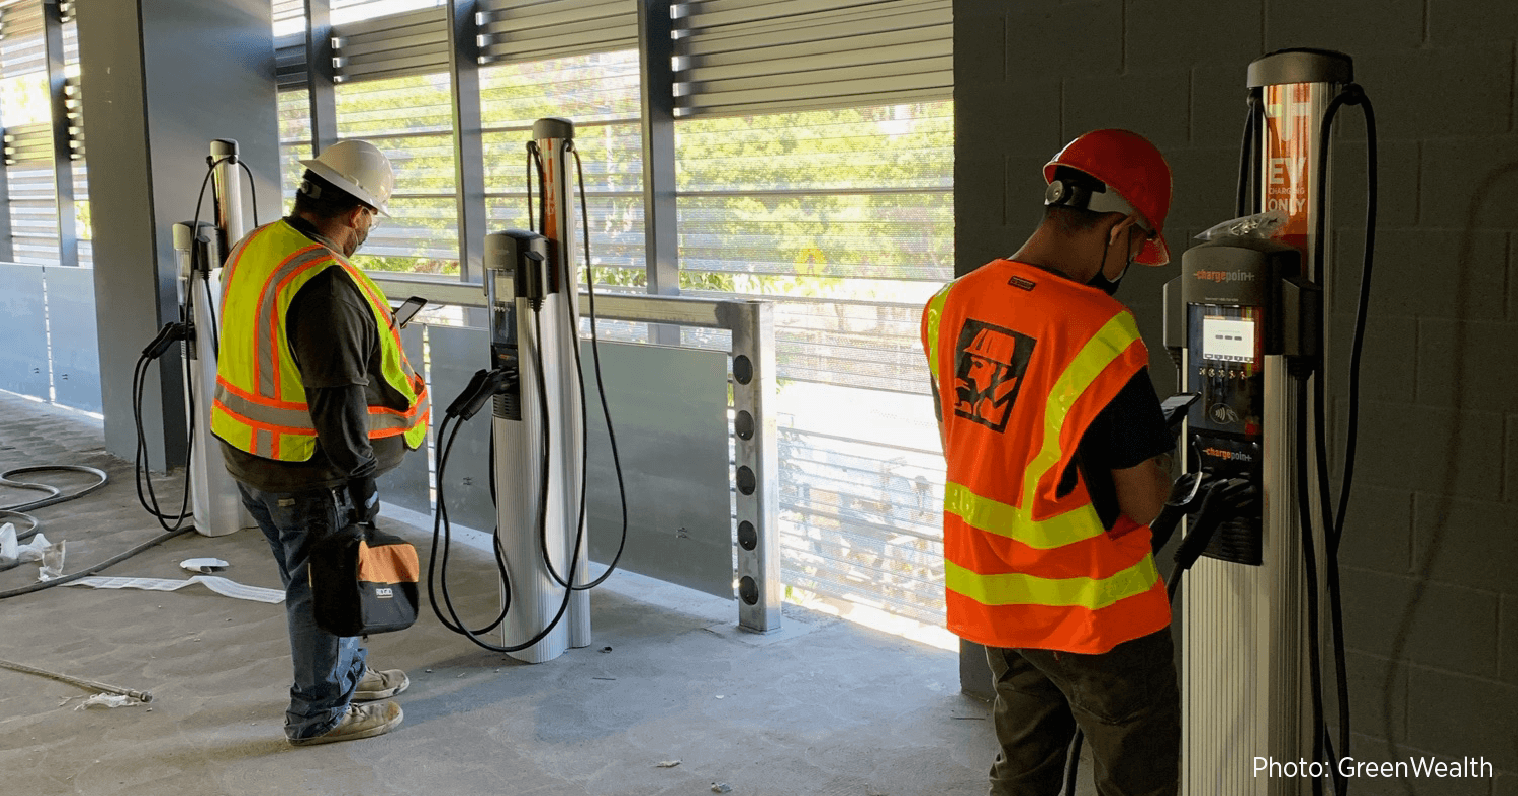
(286, 502)
(989, 363)
(1022, 282)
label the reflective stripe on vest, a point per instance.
(1011, 588)
(1024, 565)
(260, 404)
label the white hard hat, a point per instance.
(359, 168)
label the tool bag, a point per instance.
(364, 581)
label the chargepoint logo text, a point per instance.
(1228, 456)
(1224, 276)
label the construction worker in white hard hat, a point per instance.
(314, 400)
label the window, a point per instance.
(844, 217)
(599, 92)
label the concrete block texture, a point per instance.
(1510, 459)
(1154, 104)
(1442, 451)
(1467, 363)
(1469, 542)
(1507, 638)
(1377, 696)
(1421, 621)
(1378, 531)
(1349, 27)
(1388, 367)
(1214, 33)
(1219, 100)
(1438, 273)
(980, 44)
(1455, 22)
(1016, 118)
(1461, 716)
(1205, 182)
(1397, 175)
(1439, 91)
(1064, 37)
(1469, 182)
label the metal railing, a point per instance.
(756, 472)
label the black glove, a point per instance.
(364, 493)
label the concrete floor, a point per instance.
(827, 707)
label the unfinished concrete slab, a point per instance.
(825, 707)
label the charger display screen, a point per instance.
(1228, 339)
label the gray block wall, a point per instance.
(1430, 556)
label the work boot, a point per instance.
(380, 685)
(361, 721)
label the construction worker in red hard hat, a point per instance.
(1058, 457)
(315, 399)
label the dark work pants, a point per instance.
(1126, 701)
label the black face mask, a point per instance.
(1108, 286)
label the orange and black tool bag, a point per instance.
(364, 581)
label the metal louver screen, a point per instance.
(600, 93)
(22, 47)
(411, 120)
(534, 30)
(744, 57)
(844, 218)
(290, 61)
(394, 45)
(294, 139)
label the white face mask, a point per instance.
(362, 234)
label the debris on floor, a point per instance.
(108, 701)
(721, 787)
(52, 561)
(216, 583)
(103, 688)
(667, 764)
(204, 566)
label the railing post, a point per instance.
(757, 468)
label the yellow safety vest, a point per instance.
(260, 404)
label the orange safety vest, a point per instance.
(1023, 362)
(260, 403)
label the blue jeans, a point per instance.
(327, 667)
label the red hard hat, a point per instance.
(1126, 162)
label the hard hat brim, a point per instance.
(344, 184)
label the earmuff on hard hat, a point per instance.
(357, 168)
(1080, 191)
(1131, 171)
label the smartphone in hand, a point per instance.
(406, 311)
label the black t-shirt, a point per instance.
(1129, 431)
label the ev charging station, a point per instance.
(200, 249)
(538, 432)
(218, 510)
(1245, 321)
